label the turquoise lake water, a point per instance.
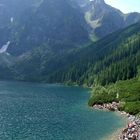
(31, 111)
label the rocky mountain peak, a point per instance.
(98, 1)
(98, 4)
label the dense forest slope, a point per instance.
(115, 57)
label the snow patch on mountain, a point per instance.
(4, 47)
(12, 19)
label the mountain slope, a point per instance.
(11, 10)
(116, 57)
(49, 22)
(6, 62)
(113, 58)
(30, 24)
(105, 19)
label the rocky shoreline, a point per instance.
(132, 130)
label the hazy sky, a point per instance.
(125, 6)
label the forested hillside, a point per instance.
(113, 58)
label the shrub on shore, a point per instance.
(127, 92)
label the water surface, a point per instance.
(30, 111)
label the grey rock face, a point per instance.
(105, 19)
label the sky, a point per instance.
(125, 6)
